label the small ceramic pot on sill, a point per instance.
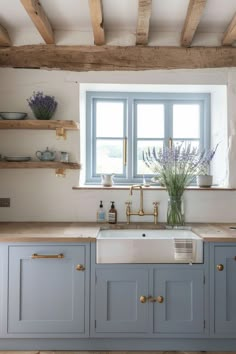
(204, 181)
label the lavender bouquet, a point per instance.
(43, 106)
(175, 168)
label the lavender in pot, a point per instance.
(43, 106)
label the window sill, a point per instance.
(127, 187)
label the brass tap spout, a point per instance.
(141, 211)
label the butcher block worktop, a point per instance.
(87, 231)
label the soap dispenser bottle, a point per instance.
(101, 215)
(112, 214)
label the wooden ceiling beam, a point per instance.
(96, 15)
(40, 20)
(230, 34)
(193, 17)
(112, 58)
(144, 14)
(4, 37)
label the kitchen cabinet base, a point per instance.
(108, 344)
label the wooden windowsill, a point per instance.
(158, 188)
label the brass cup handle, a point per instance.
(220, 267)
(152, 299)
(80, 267)
(143, 299)
(160, 299)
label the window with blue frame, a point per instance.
(120, 125)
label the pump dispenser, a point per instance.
(112, 215)
(101, 215)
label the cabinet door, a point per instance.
(181, 308)
(117, 300)
(47, 295)
(225, 290)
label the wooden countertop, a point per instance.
(48, 232)
(216, 232)
(87, 232)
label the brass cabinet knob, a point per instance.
(143, 299)
(80, 267)
(160, 299)
(220, 267)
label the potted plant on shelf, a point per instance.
(43, 106)
(175, 169)
(204, 179)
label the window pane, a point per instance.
(143, 145)
(150, 120)
(186, 121)
(109, 119)
(109, 155)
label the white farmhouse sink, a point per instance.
(148, 246)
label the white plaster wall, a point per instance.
(38, 195)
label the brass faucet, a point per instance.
(140, 212)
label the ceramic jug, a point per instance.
(46, 155)
(107, 180)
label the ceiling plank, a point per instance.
(39, 18)
(144, 14)
(112, 58)
(96, 15)
(230, 34)
(4, 37)
(194, 13)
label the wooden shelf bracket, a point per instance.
(60, 172)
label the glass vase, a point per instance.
(175, 211)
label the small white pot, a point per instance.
(204, 180)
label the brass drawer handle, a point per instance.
(143, 299)
(39, 256)
(220, 267)
(80, 267)
(152, 299)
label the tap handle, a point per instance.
(155, 204)
(128, 203)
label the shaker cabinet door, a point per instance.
(225, 290)
(118, 308)
(179, 307)
(47, 294)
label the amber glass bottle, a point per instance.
(112, 214)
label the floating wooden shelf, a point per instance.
(39, 124)
(41, 164)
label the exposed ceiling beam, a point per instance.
(4, 37)
(194, 13)
(230, 33)
(96, 15)
(144, 14)
(39, 18)
(111, 58)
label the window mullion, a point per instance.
(168, 121)
(129, 134)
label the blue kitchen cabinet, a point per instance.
(149, 301)
(119, 293)
(179, 300)
(48, 293)
(223, 276)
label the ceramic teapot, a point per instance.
(46, 155)
(107, 180)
